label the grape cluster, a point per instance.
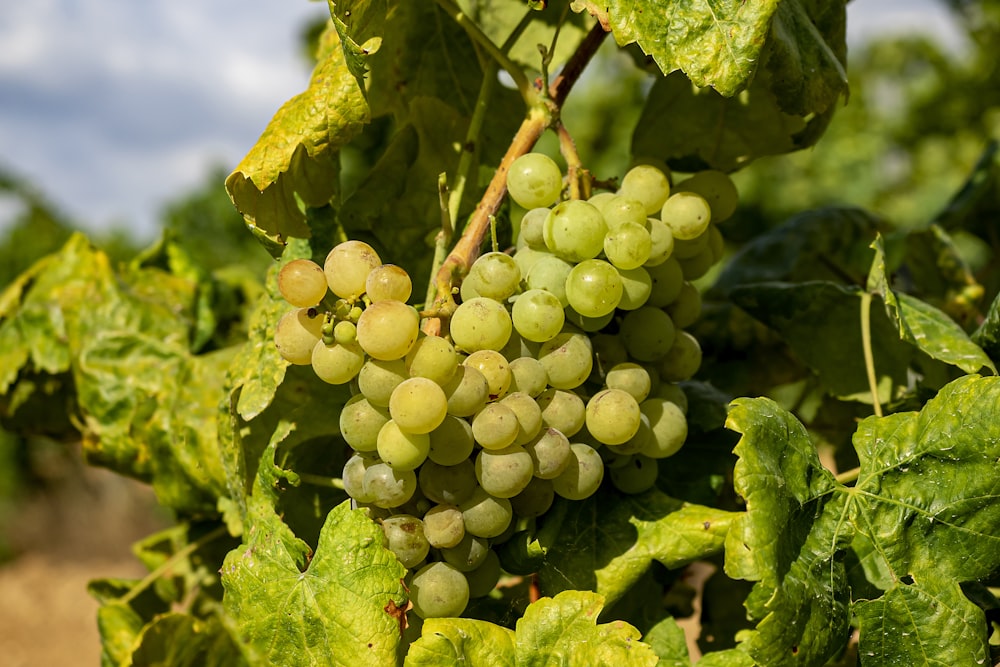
(561, 362)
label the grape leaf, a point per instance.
(181, 640)
(295, 159)
(452, 641)
(337, 606)
(988, 334)
(790, 540)
(923, 325)
(667, 640)
(359, 23)
(606, 542)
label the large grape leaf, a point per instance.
(606, 542)
(790, 540)
(296, 158)
(359, 24)
(338, 606)
(923, 325)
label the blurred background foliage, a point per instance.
(919, 116)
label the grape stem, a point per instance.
(579, 178)
(539, 118)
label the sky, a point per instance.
(114, 108)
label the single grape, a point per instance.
(687, 214)
(686, 308)
(450, 484)
(399, 449)
(297, 334)
(594, 288)
(451, 442)
(467, 390)
(485, 515)
(439, 590)
(699, 265)
(688, 248)
(647, 333)
(496, 274)
(535, 500)
(529, 415)
(405, 538)
(549, 273)
(661, 242)
(673, 393)
(527, 257)
(484, 578)
(444, 526)
(345, 332)
(468, 554)
(668, 427)
(495, 426)
(582, 475)
(608, 351)
(562, 410)
(532, 228)
(647, 184)
(302, 283)
(534, 180)
(494, 367)
(637, 285)
(377, 380)
(480, 324)
(637, 475)
(619, 210)
(628, 245)
(682, 360)
(418, 405)
(347, 267)
(518, 346)
(337, 364)
(353, 477)
(718, 190)
(587, 324)
(575, 231)
(432, 357)
(600, 199)
(549, 452)
(630, 377)
(537, 315)
(667, 279)
(388, 329)
(505, 472)
(568, 359)
(528, 376)
(388, 283)
(388, 487)
(360, 422)
(612, 416)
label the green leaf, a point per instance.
(606, 542)
(929, 622)
(790, 540)
(668, 641)
(337, 606)
(927, 496)
(296, 158)
(821, 322)
(923, 325)
(181, 640)
(359, 23)
(453, 641)
(988, 333)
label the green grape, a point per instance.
(467, 390)
(608, 351)
(485, 515)
(661, 242)
(418, 405)
(686, 308)
(612, 416)
(549, 452)
(405, 538)
(587, 324)
(505, 472)
(699, 265)
(562, 410)
(388, 329)
(468, 554)
(568, 360)
(647, 333)
(484, 578)
(631, 378)
(388, 487)
(716, 243)
(619, 210)
(337, 363)
(535, 500)
(613, 459)
(528, 376)
(686, 249)
(529, 415)
(582, 475)
(345, 333)
(415, 506)
(388, 283)
(549, 273)
(469, 289)
(600, 199)
(673, 393)
(444, 526)
(451, 442)
(687, 214)
(594, 288)
(496, 274)
(401, 450)
(360, 422)
(377, 380)
(636, 476)
(494, 367)
(526, 258)
(353, 477)
(667, 280)
(534, 180)
(347, 267)
(495, 426)
(628, 245)
(537, 315)
(575, 231)
(518, 346)
(531, 232)
(297, 334)
(637, 285)
(480, 324)
(717, 189)
(646, 184)
(432, 357)
(447, 484)
(683, 359)
(302, 283)
(439, 590)
(668, 428)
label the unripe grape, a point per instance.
(534, 180)
(439, 590)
